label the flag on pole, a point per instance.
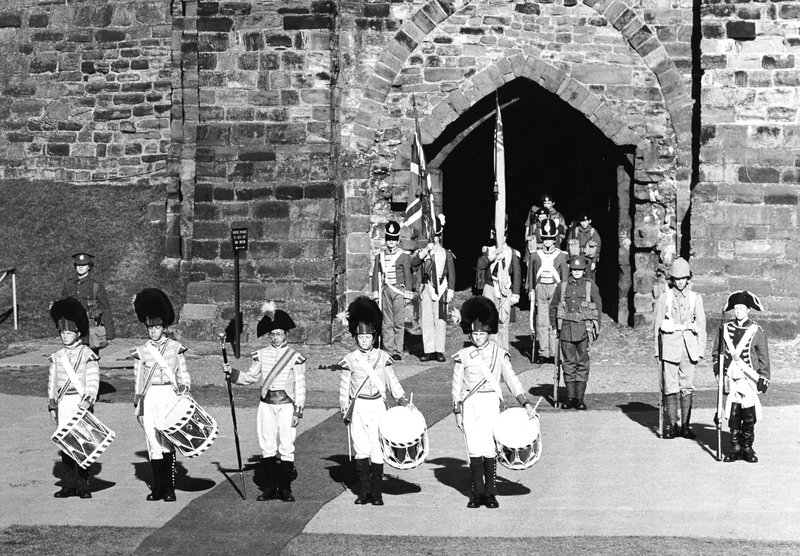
(421, 208)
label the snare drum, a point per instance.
(83, 438)
(189, 427)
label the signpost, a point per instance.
(239, 242)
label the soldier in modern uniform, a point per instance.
(366, 381)
(575, 311)
(438, 283)
(583, 239)
(477, 395)
(680, 342)
(502, 283)
(746, 372)
(548, 268)
(74, 379)
(391, 287)
(91, 293)
(160, 376)
(281, 373)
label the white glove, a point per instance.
(514, 299)
(449, 296)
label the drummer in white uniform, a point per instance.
(160, 377)
(367, 377)
(477, 395)
(73, 383)
(281, 371)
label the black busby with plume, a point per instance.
(273, 319)
(364, 317)
(69, 314)
(479, 314)
(153, 308)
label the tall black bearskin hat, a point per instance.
(69, 314)
(364, 317)
(153, 307)
(273, 319)
(478, 314)
(745, 298)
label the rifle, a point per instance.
(233, 415)
(660, 388)
(557, 372)
(720, 385)
(531, 324)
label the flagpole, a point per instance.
(423, 180)
(500, 179)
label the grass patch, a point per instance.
(68, 540)
(329, 545)
(44, 223)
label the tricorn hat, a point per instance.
(153, 307)
(273, 319)
(364, 317)
(743, 297)
(69, 314)
(438, 224)
(392, 230)
(479, 314)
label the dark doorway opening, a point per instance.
(550, 148)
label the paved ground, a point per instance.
(603, 472)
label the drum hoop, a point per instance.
(80, 415)
(171, 431)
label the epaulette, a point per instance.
(182, 349)
(456, 357)
(300, 359)
(254, 355)
(343, 364)
(92, 356)
(474, 353)
(135, 353)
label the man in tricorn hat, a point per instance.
(281, 371)
(391, 287)
(91, 293)
(575, 311)
(366, 381)
(160, 375)
(74, 379)
(477, 395)
(438, 283)
(680, 342)
(746, 372)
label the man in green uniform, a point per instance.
(91, 293)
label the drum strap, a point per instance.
(71, 376)
(160, 362)
(488, 372)
(373, 376)
(288, 357)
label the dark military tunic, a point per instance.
(573, 334)
(98, 307)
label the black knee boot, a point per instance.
(748, 434)
(68, 481)
(671, 408)
(285, 472)
(580, 390)
(83, 482)
(169, 477)
(157, 487)
(572, 396)
(489, 478)
(270, 479)
(376, 471)
(364, 486)
(686, 415)
(476, 498)
(735, 423)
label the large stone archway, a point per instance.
(381, 128)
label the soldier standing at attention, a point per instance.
(501, 284)
(680, 342)
(160, 376)
(583, 239)
(477, 395)
(367, 378)
(547, 269)
(91, 293)
(391, 287)
(746, 372)
(281, 371)
(73, 384)
(575, 311)
(438, 283)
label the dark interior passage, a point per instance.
(550, 148)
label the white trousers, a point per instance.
(157, 402)
(480, 413)
(275, 431)
(434, 329)
(364, 429)
(67, 408)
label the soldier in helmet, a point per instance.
(366, 381)
(74, 379)
(391, 287)
(548, 267)
(477, 395)
(745, 357)
(91, 293)
(575, 311)
(281, 372)
(160, 375)
(680, 342)
(438, 283)
(583, 239)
